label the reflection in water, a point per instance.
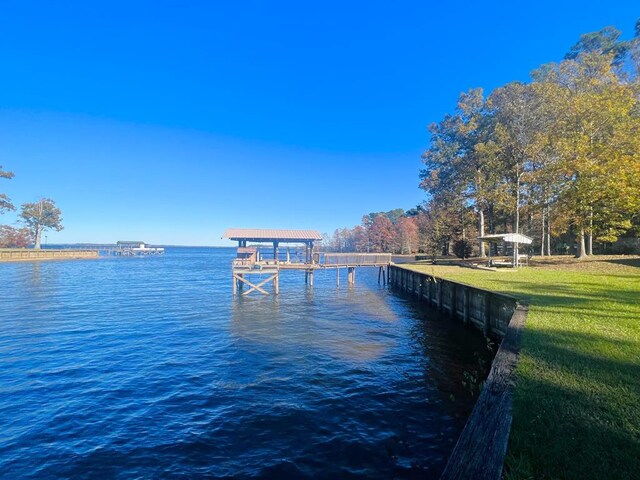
(343, 323)
(149, 368)
(35, 276)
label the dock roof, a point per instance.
(507, 237)
(271, 235)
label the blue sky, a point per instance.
(170, 121)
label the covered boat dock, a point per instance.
(255, 258)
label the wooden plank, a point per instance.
(482, 446)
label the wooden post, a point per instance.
(465, 313)
(453, 311)
(486, 326)
(241, 281)
(276, 283)
(351, 275)
(311, 278)
(235, 284)
(275, 251)
(379, 274)
(288, 255)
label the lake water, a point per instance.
(149, 368)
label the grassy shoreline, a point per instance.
(577, 398)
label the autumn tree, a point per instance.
(381, 234)
(40, 216)
(11, 237)
(407, 234)
(460, 172)
(360, 239)
(5, 201)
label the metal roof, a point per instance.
(507, 237)
(258, 235)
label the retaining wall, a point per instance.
(23, 254)
(480, 450)
(487, 311)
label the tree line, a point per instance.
(557, 158)
(35, 218)
(398, 231)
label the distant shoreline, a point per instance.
(11, 255)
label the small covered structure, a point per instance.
(516, 239)
(249, 261)
(275, 237)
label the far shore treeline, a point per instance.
(557, 158)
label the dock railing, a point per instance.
(355, 259)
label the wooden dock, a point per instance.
(257, 266)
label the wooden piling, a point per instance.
(351, 275)
(486, 326)
(465, 312)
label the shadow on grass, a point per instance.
(574, 294)
(629, 262)
(576, 409)
(547, 442)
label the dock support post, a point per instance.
(311, 278)
(486, 326)
(351, 275)
(337, 276)
(465, 314)
(453, 311)
(379, 274)
(235, 284)
(276, 283)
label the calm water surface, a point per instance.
(148, 368)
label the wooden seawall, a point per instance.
(481, 448)
(487, 311)
(23, 254)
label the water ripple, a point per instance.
(148, 368)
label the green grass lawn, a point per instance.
(577, 398)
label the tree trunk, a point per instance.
(582, 251)
(38, 237)
(590, 237)
(542, 239)
(481, 218)
(517, 229)
(548, 237)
